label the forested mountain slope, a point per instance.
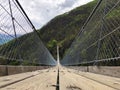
(62, 29)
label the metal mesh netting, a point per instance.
(19, 41)
(99, 38)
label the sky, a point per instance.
(42, 11)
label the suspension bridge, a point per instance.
(91, 63)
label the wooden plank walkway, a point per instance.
(69, 79)
(74, 80)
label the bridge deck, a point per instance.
(69, 79)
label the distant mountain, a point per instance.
(63, 28)
(6, 38)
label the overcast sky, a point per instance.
(42, 11)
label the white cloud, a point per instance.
(41, 11)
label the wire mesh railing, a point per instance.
(99, 39)
(19, 40)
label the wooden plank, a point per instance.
(113, 71)
(106, 80)
(6, 80)
(41, 81)
(71, 81)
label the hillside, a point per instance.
(62, 29)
